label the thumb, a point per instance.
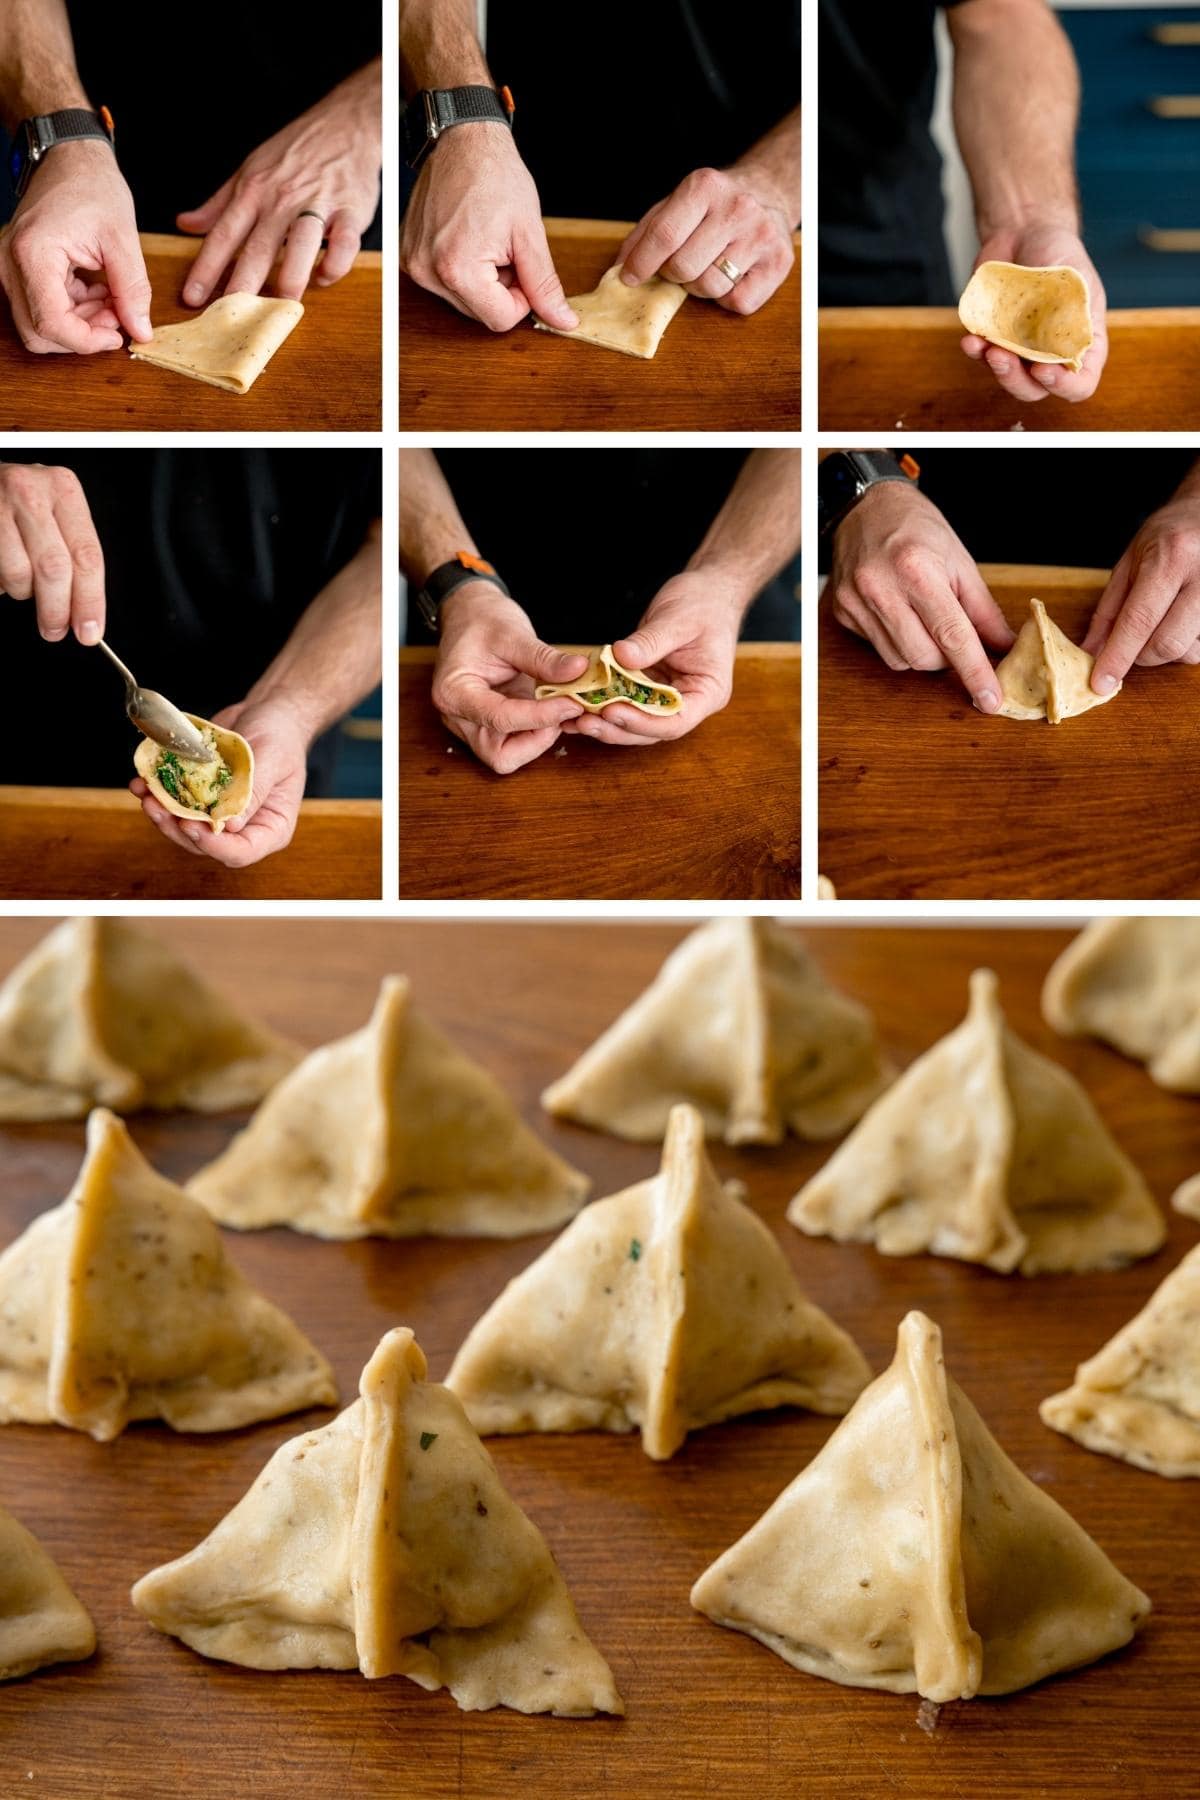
(539, 278)
(128, 284)
(203, 218)
(983, 611)
(544, 662)
(649, 644)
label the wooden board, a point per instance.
(713, 371)
(326, 377)
(922, 797)
(894, 369)
(713, 816)
(95, 844)
(709, 1711)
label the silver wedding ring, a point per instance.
(730, 270)
(308, 213)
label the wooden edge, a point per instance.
(1043, 574)
(166, 243)
(418, 656)
(120, 800)
(941, 318)
(602, 228)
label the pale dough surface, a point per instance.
(1045, 675)
(629, 319)
(229, 345)
(604, 672)
(1044, 315)
(41, 1621)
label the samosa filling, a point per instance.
(620, 687)
(196, 785)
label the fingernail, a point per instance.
(1047, 377)
(55, 637)
(987, 700)
(144, 328)
(193, 832)
(89, 632)
(1104, 684)
(1001, 365)
(570, 319)
(193, 292)
(629, 278)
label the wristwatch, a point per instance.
(38, 135)
(435, 110)
(846, 476)
(450, 575)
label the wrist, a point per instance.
(728, 585)
(1018, 218)
(474, 600)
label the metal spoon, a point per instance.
(156, 718)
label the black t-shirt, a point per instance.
(880, 198)
(211, 556)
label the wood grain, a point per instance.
(709, 1711)
(922, 797)
(713, 371)
(900, 368)
(714, 815)
(326, 377)
(95, 844)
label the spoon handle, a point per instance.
(114, 658)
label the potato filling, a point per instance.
(196, 785)
(621, 688)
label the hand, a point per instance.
(279, 741)
(325, 162)
(488, 662)
(473, 232)
(70, 260)
(687, 637)
(903, 580)
(714, 213)
(1149, 613)
(1043, 247)
(49, 551)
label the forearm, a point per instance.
(772, 167)
(757, 531)
(1189, 487)
(439, 46)
(1016, 104)
(37, 61)
(431, 527)
(332, 658)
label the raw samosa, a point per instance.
(1045, 675)
(1136, 984)
(41, 1621)
(632, 320)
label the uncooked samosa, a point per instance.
(391, 1132)
(912, 1555)
(1139, 1397)
(740, 1023)
(122, 1304)
(385, 1542)
(1045, 675)
(632, 320)
(101, 1014)
(41, 1621)
(1136, 984)
(986, 1151)
(667, 1307)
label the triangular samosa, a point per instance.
(912, 1555)
(122, 1304)
(740, 1023)
(986, 1151)
(1138, 1398)
(1045, 675)
(41, 1621)
(101, 1014)
(1135, 983)
(667, 1307)
(391, 1132)
(386, 1542)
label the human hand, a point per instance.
(1149, 613)
(473, 232)
(279, 740)
(714, 213)
(70, 260)
(324, 165)
(902, 579)
(488, 662)
(1044, 247)
(49, 551)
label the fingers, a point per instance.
(469, 698)
(667, 227)
(128, 282)
(74, 519)
(16, 570)
(1109, 604)
(602, 728)
(46, 317)
(648, 644)
(538, 278)
(694, 259)
(976, 599)
(543, 661)
(477, 291)
(1175, 637)
(504, 753)
(220, 246)
(1150, 595)
(855, 616)
(756, 286)
(166, 822)
(201, 219)
(343, 245)
(1012, 375)
(956, 638)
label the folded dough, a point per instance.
(1045, 675)
(629, 319)
(912, 1555)
(208, 792)
(605, 681)
(1139, 1397)
(739, 1023)
(121, 1304)
(391, 1132)
(385, 1542)
(41, 1621)
(228, 345)
(1044, 315)
(1186, 1198)
(667, 1307)
(1136, 984)
(985, 1151)
(99, 1015)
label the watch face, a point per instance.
(839, 479)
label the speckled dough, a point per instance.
(1045, 675)
(1043, 315)
(1135, 983)
(41, 1621)
(604, 672)
(228, 345)
(629, 319)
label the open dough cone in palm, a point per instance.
(667, 1307)
(985, 1151)
(913, 1555)
(1043, 315)
(604, 682)
(386, 1542)
(390, 1132)
(102, 1014)
(207, 793)
(740, 1023)
(41, 1621)
(1135, 983)
(629, 319)
(122, 1304)
(228, 345)
(1045, 675)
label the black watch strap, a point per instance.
(847, 475)
(436, 110)
(37, 136)
(450, 575)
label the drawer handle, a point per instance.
(1176, 34)
(1185, 240)
(1175, 106)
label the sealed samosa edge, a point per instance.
(228, 345)
(605, 681)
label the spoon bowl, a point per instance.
(156, 717)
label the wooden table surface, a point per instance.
(326, 377)
(713, 371)
(922, 797)
(900, 368)
(709, 1712)
(95, 844)
(715, 815)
